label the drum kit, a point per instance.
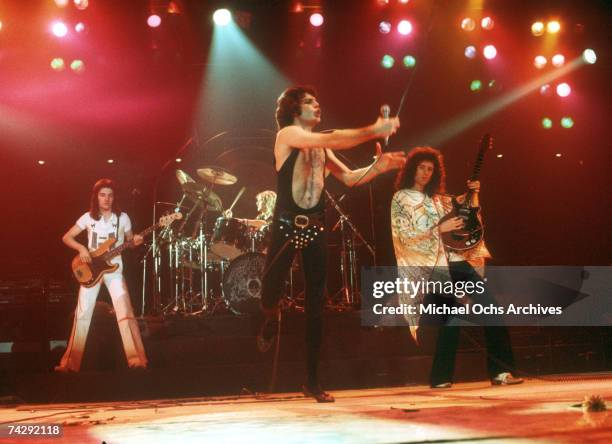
(208, 270)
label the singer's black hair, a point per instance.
(288, 104)
(94, 206)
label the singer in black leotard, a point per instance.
(303, 159)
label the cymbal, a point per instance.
(217, 176)
(213, 201)
(193, 187)
(183, 177)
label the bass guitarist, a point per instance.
(104, 220)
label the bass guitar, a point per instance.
(89, 274)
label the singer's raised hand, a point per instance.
(389, 161)
(386, 127)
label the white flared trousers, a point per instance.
(128, 326)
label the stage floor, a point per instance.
(536, 411)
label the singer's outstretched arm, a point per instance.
(382, 163)
(296, 137)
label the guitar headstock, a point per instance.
(166, 220)
(486, 143)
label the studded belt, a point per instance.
(301, 229)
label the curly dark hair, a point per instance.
(288, 104)
(94, 206)
(405, 177)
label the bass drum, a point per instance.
(242, 283)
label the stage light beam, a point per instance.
(475, 85)
(57, 64)
(547, 123)
(409, 61)
(81, 4)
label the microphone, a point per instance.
(385, 110)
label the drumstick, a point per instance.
(242, 190)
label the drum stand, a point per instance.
(348, 259)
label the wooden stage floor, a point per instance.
(540, 410)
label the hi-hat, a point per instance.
(217, 175)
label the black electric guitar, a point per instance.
(472, 232)
(89, 274)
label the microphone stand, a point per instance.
(348, 266)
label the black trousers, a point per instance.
(499, 350)
(314, 262)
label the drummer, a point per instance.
(265, 201)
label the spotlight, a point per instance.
(404, 2)
(487, 23)
(41, 162)
(553, 27)
(404, 27)
(110, 161)
(558, 155)
(57, 64)
(539, 61)
(537, 29)
(563, 89)
(547, 123)
(81, 4)
(0, 25)
(470, 52)
(59, 29)
(222, 17)
(545, 90)
(558, 60)
(409, 61)
(154, 21)
(476, 85)
(387, 61)
(316, 19)
(79, 27)
(499, 156)
(567, 122)
(489, 52)
(178, 160)
(61, 3)
(77, 66)
(589, 56)
(468, 24)
(384, 27)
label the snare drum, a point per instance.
(230, 238)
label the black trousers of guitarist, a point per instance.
(308, 238)
(500, 358)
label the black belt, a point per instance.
(301, 229)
